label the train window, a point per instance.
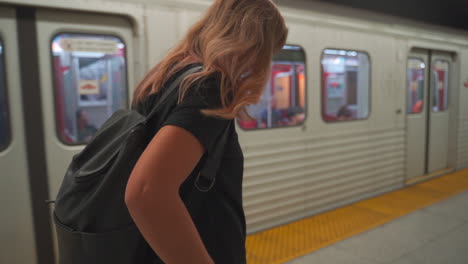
(345, 85)
(5, 136)
(415, 85)
(439, 85)
(90, 83)
(283, 103)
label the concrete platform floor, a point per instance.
(437, 234)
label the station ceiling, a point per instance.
(451, 13)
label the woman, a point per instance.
(234, 42)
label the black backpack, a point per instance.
(92, 221)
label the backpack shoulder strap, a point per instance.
(172, 88)
(207, 176)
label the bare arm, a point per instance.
(152, 196)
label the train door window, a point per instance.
(415, 85)
(5, 137)
(345, 85)
(283, 103)
(90, 83)
(439, 85)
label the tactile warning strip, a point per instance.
(293, 240)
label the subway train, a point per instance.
(358, 104)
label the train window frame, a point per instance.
(447, 108)
(83, 33)
(322, 88)
(8, 130)
(424, 88)
(306, 99)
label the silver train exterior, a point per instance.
(290, 172)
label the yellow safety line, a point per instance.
(296, 239)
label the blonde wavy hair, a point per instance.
(236, 38)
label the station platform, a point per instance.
(426, 223)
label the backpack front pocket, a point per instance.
(122, 246)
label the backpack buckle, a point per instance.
(205, 187)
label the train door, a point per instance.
(427, 90)
(84, 75)
(16, 230)
(438, 128)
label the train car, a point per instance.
(356, 105)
